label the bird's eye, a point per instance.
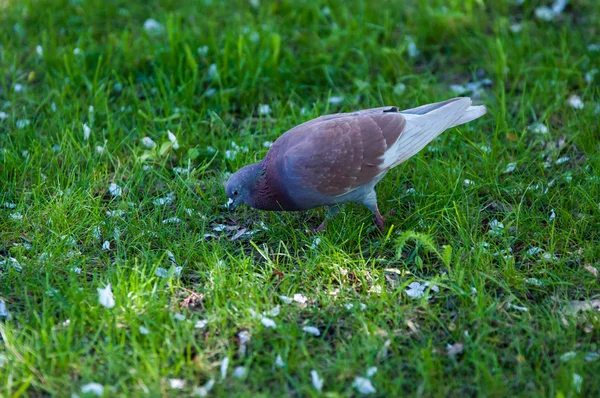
(235, 193)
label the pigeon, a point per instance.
(339, 158)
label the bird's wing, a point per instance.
(339, 154)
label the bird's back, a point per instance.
(329, 157)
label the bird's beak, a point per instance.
(231, 204)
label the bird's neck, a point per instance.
(269, 194)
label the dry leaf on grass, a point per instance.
(576, 306)
(592, 270)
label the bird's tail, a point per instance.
(472, 112)
(426, 122)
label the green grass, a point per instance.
(294, 56)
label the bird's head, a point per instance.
(242, 185)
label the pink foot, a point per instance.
(320, 227)
(379, 220)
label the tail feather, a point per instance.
(472, 113)
(425, 123)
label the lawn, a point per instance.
(123, 274)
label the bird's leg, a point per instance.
(370, 201)
(332, 211)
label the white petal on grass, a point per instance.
(496, 228)
(312, 330)
(87, 131)
(96, 389)
(533, 251)
(224, 366)
(316, 242)
(568, 176)
(177, 384)
(204, 390)
(172, 220)
(77, 51)
(413, 51)
(39, 50)
(273, 312)
(114, 190)
(267, 144)
(591, 356)
(201, 324)
(239, 372)
(179, 317)
(567, 356)
(552, 215)
(485, 148)
(544, 14)
(99, 150)
(510, 168)
(279, 361)
(299, 298)
(336, 100)
(577, 382)
(549, 257)
(268, 323)
(519, 308)
(534, 282)
(516, 27)
(106, 245)
(213, 71)
(230, 154)
(202, 51)
(264, 109)
(399, 89)
(559, 6)
(3, 115)
(562, 160)
(144, 330)
(416, 290)
(16, 216)
(4, 310)
(538, 128)
(576, 102)
(115, 213)
(593, 47)
(148, 142)
(18, 88)
(455, 349)
(22, 123)
(173, 139)
(589, 76)
(363, 386)
(468, 182)
(286, 299)
(152, 26)
(317, 381)
(105, 297)
(166, 200)
(181, 170)
(371, 371)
